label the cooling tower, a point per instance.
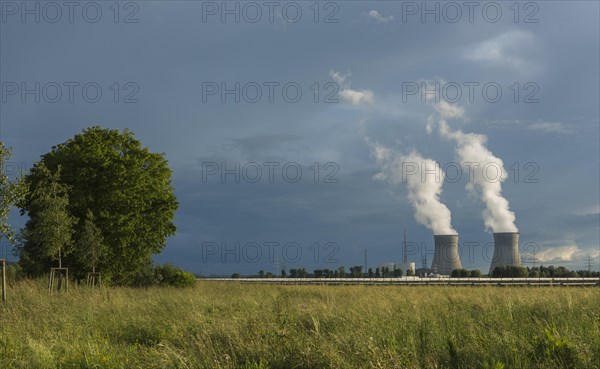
(506, 250)
(446, 258)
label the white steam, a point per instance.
(424, 181)
(486, 174)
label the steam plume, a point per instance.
(424, 183)
(486, 176)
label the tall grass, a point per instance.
(232, 325)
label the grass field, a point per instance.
(231, 325)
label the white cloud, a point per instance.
(592, 210)
(505, 49)
(378, 17)
(357, 97)
(430, 124)
(354, 97)
(550, 127)
(339, 78)
(447, 110)
(563, 253)
(538, 126)
(569, 251)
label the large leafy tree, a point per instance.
(11, 191)
(126, 187)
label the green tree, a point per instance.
(356, 271)
(464, 273)
(51, 229)
(11, 192)
(385, 272)
(127, 188)
(90, 245)
(475, 273)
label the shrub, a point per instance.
(14, 273)
(164, 275)
(171, 275)
(557, 351)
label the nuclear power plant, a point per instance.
(506, 250)
(445, 258)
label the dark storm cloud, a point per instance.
(171, 52)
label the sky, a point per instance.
(271, 113)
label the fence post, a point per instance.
(3, 280)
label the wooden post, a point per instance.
(94, 279)
(3, 280)
(59, 274)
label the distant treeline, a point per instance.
(541, 272)
(356, 271)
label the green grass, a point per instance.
(232, 325)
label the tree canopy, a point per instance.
(125, 187)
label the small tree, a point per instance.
(356, 271)
(52, 227)
(11, 192)
(91, 247)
